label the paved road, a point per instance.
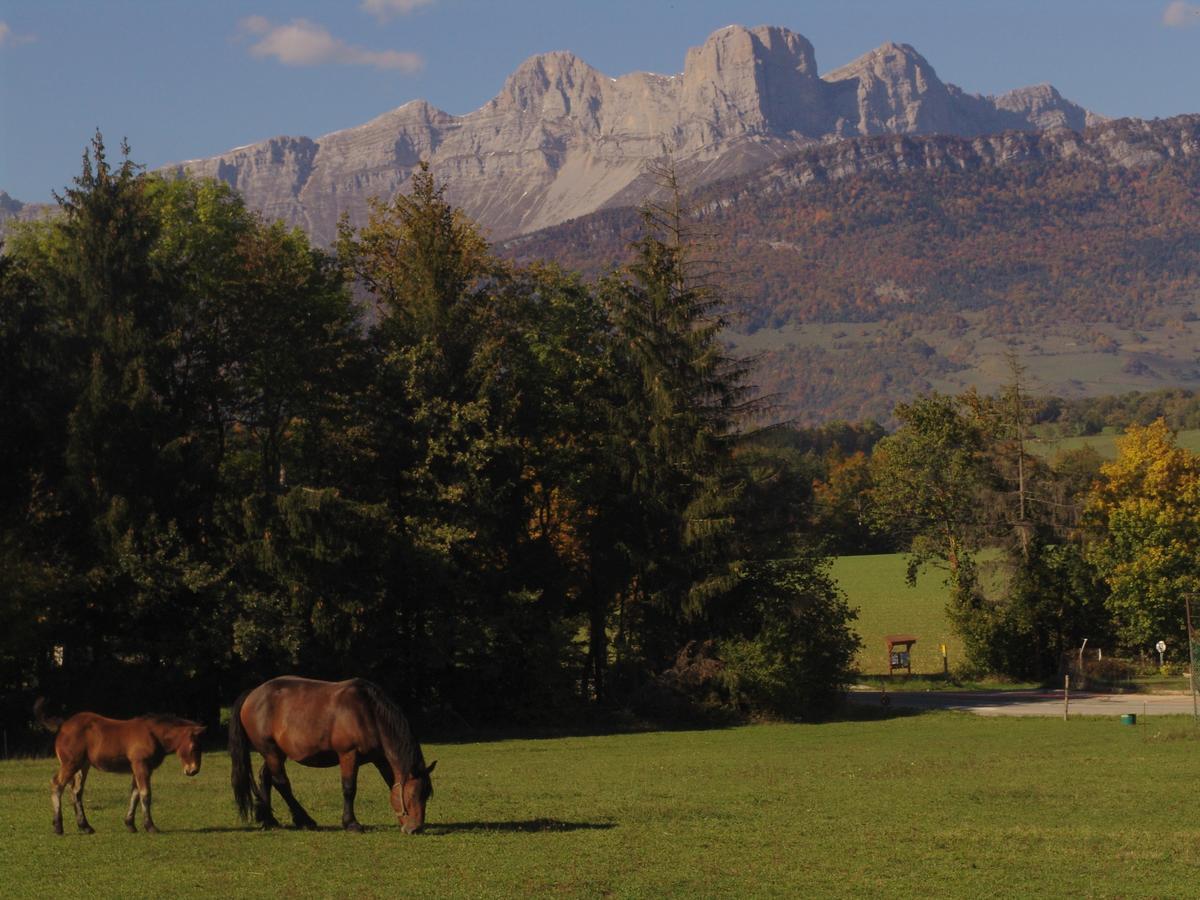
(1032, 703)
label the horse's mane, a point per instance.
(394, 725)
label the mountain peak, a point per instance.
(557, 83)
(561, 139)
(1045, 107)
(887, 57)
(736, 46)
(763, 79)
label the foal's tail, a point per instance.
(244, 789)
(50, 723)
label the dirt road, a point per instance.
(1032, 703)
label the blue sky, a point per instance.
(189, 79)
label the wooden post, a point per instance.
(1187, 606)
(1066, 695)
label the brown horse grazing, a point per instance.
(325, 723)
(116, 745)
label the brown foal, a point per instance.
(137, 746)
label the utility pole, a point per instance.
(1187, 605)
(1018, 401)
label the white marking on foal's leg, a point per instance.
(133, 802)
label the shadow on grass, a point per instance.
(597, 723)
(253, 829)
(873, 712)
(527, 826)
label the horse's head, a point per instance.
(409, 798)
(189, 749)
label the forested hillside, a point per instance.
(869, 271)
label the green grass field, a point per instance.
(886, 605)
(938, 805)
(1105, 444)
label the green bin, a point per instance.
(1128, 718)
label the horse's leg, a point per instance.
(281, 783)
(349, 766)
(263, 810)
(58, 783)
(133, 802)
(77, 792)
(141, 780)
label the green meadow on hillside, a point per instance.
(887, 605)
(1105, 444)
(936, 805)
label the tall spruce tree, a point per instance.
(447, 449)
(674, 431)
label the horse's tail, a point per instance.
(50, 723)
(244, 789)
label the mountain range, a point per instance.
(562, 139)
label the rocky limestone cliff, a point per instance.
(561, 139)
(13, 210)
(1108, 143)
(1117, 143)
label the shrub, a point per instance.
(796, 652)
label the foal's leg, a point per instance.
(349, 766)
(77, 792)
(279, 780)
(133, 802)
(58, 783)
(141, 781)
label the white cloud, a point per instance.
(304, 43)
(9, 39)
(1181, 15)
(384, 9)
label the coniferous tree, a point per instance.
(674, 431)
(451, 461)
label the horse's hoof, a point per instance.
(151, 829)
(58, 829)
(354, 827)
(268, 824)
(86, 829)
(131, 828)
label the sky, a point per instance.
(183, 79)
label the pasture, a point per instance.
(887, 605)
(1105, 443)
(941, 804)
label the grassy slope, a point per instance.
(936, 805)
(875, 584)
(886, 605)
(1106, 444)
